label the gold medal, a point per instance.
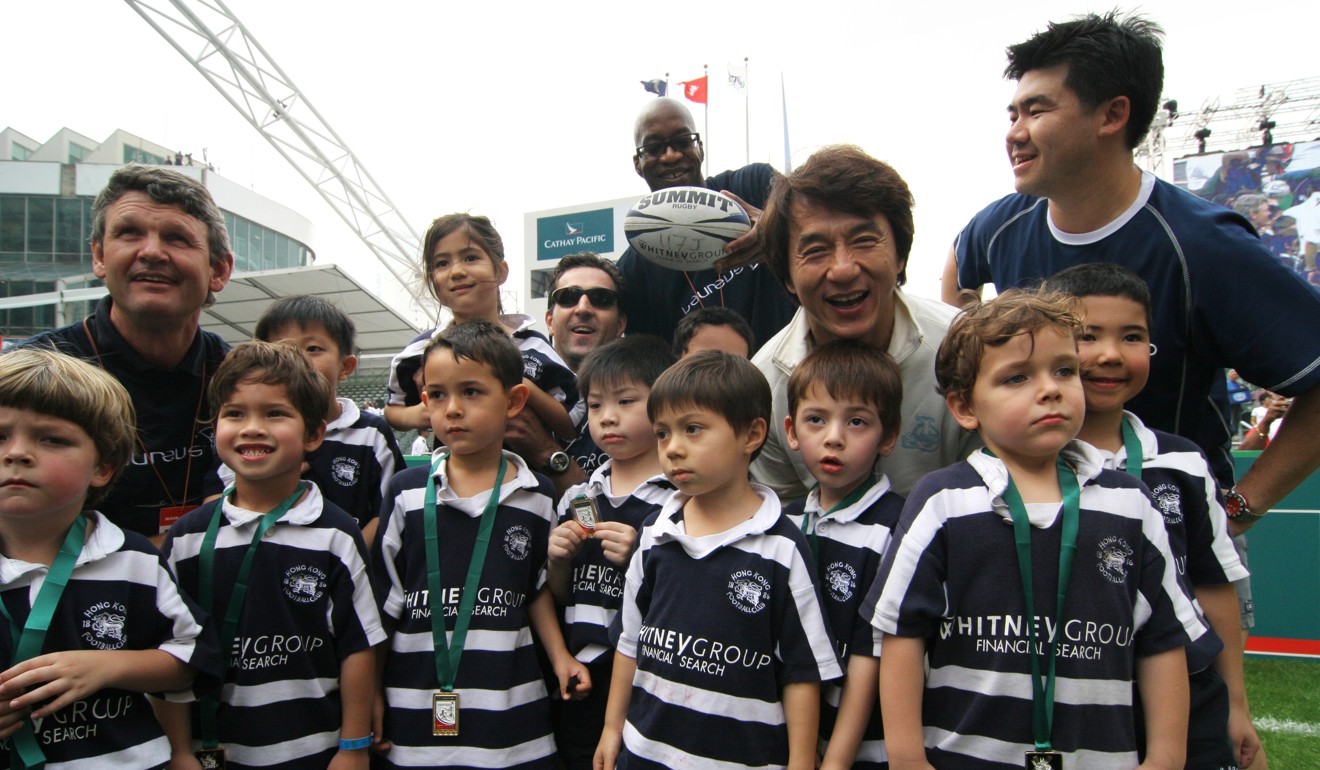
(584, 510)
(1044, 760)
(211, 759)
(444, 713)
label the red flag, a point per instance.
(695, 90)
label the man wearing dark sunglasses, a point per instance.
(583, 313)
(668, 153)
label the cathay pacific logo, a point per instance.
(573, 228)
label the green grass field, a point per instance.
(1285, 705)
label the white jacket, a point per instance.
(929, 439)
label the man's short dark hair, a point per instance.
(842, 178)
(306, 309)
(851, 369)
(483, 342)
(586, 259)
(275, 363)
(170, 188)
(638, 359)
(690, 324)
(727, 385)
(1102, 279)
(1106, 56)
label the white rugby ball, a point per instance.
(684, 228)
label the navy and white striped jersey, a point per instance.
(597, 587)
(121, 596)
(1187, 496)
(1182, 246)
(504, 711)
(952, 577)
(851, 543)
(354, 463)
(541, 364)
(718, 626)
(309, 606)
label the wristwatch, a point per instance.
(558, 463)
(1238, 509)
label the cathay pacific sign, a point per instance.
(565, 234)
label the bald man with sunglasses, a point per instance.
(668, 153)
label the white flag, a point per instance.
(738, 76)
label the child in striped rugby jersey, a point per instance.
(722, 641)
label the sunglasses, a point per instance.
(656, 150)
(599, 297)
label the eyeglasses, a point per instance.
(600, 298)
(681, 143)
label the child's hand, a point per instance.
(59, 677)
(358, 759)
(607, 751)
(380, 746)
(616, 541)
(11, 719)
(565, 541)
(184, 760)
(567, 670)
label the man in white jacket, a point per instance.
(837, 234)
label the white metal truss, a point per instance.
(214, 41)
(1293, 106)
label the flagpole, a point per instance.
(783, 98)
(705, 112)
(747, 115)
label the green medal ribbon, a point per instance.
(1042, 695)
(1132, 448)
(29, 641)
(210, 701)
(449, 653)
(850, 500)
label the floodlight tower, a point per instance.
(212, 39)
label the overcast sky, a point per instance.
(504, 108)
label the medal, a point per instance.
(1044, 757)
(1044, 760)
(444, 713)
(211, 759)
(444, 704)
(584, 510)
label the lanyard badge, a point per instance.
(1044, 757)
(448, 653)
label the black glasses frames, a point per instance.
(681, 143)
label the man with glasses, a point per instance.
(669, 154)
(583, 313)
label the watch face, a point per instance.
(559, 462)
(1234, 505)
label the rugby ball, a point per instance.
(684, 228)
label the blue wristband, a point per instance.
(346, 744)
